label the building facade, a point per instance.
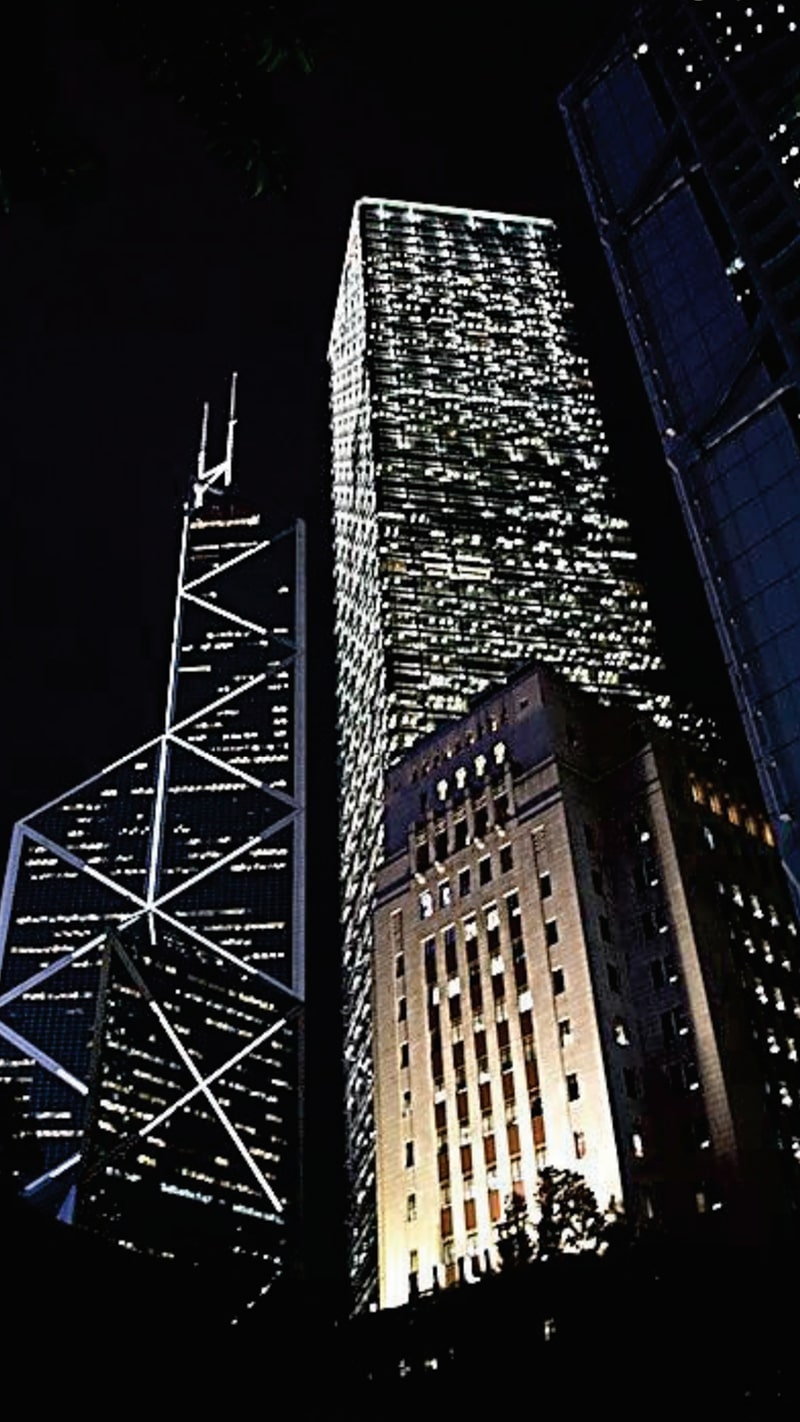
(153, 930)
(585, 957)
(473, 528)
(687, 136)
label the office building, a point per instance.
(585, 957)
(687, 136)
(153, 930)
(473, 528)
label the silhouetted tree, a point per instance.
(514, 1243)
(570, 1220)
(222, 64)
(227, 65)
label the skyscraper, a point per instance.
(472, 529)
(153, 929)
(585, 959)
(687, 136)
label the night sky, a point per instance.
(121, 311)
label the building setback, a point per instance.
(153, 931)
(687, 136)
(584, 958)
(473, 528)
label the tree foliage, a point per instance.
(514, 1242)
(224, 63)
(227, 63)
(570, 1220)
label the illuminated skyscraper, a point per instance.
(687, 135)
(472, 527)
(153, 930)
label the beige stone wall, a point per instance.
(513, 1113)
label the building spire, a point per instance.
(219, 475)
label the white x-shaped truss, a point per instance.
(155, 903)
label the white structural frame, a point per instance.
(152, 903)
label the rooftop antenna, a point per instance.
(219, 475)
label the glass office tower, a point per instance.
(472, 529)
(153, 931)
(687, 136)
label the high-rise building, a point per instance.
(586, 958)
(687, 136)
(153, 930)
(473, 529)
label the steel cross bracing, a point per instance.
(161, 901)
